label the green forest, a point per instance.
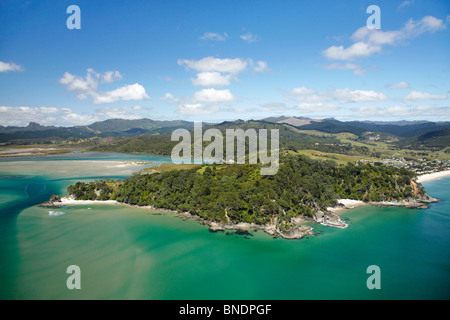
(239, 193)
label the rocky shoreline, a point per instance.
(298, 229)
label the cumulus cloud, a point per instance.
(22, 115)
(169, 97)
(345, 95)
(9, 66)
(82, 86)
(417, 95)
(211, 64)
(302, 91)
(128, 92)
(111, 76)
(88, 87)
(216, 72)
(196, 109)
(369, 41)
(356, 50)
(211, 79)
(357, 69)
(212, 95)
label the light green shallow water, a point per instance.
(128, 253)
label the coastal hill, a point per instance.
(226, 196)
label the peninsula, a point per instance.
(303, 192)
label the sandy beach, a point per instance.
(71, 201)
(346, 204)
(433, 176)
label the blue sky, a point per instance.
(223, 60)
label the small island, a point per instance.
(303, 192)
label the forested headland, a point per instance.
(239, 193)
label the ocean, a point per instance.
(135, 253)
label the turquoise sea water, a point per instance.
(130, 253)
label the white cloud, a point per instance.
(369, 41)
(357, 69)
(111, 76)
(83, 86)
(399, 85)
(213, 96)
(73, 118)
(260, 66)
(196, 109)
(356, 50)
(216, 72)
(417, 95)
(214, 36)
(211, 64)
(170, 98)
(128, 92)
(427, 24)
(9, 66)
(250, 38)
(346, 95)
(302, 91)
(88, 86)
(21, 116)
(376, 37)
(211, 79)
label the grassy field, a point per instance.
(339, 158)
(33, 150)
(385, 150)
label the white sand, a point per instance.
(72, 201)
(349, 203)
(433, 176)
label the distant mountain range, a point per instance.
(402, 129)
(417, 132)
(111, 127)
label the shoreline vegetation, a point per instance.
(303, 193)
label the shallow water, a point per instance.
(130, 253)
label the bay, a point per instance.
(133, 253)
